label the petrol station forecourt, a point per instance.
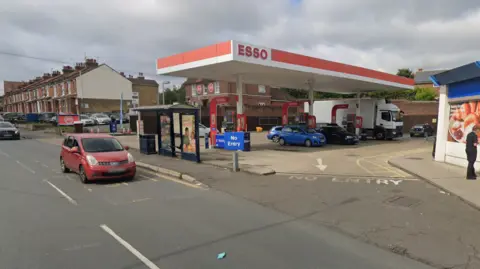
(243, 63)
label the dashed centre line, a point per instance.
(25, 167)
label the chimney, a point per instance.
(55, 73)
(79, 66)
(122, 74)
(67, 69)
(91, 63)
(130, 76)
(420, 70)
(38, 79)
(46, 75)
(140, 75)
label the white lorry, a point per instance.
(380, 119)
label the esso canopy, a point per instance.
(265, 66)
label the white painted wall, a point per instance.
(103, 83)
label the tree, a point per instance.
(425, 94)
(173, 95)
(405, 72)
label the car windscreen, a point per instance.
(312, 131)
(101, 144)
(6, 125)
(84, 118)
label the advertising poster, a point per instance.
(165, 126)
(462, 118)
(188, 125)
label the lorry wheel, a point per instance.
(281, 141)
(308, 143)
(380, 136)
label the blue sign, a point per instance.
(113, 126)
(219, 141)
(234, 140)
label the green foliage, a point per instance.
(173, 95)
(425, 94)
(405, 72)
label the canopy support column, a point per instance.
(310, 97)
(239, 84)
(357, 114)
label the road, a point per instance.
(51, 220)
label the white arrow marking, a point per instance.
(320, 165)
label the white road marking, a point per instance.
(141, 200)
(143, 176)
(70, 199)
(129, 247)
(69, 178)
(25, 167)
(320, 165)
(44, 165)
(4, 154)
(125, 183)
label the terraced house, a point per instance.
(87, 87)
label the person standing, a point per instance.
(471, 150)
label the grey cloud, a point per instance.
(130, 35)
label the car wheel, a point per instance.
(275, 138)
(63, 167)
(281, 141)
(380, 136)
(83, 176)
(308, 143)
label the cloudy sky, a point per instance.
(130, 34)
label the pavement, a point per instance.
(450, 178)
(52, 220)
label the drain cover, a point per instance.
(414, 158)
(403, 201)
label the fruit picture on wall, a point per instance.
(463, 116)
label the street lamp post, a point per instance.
(163, 91)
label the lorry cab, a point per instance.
(389, 121)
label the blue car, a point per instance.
(293, 135)
(274, 133)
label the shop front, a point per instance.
(459, 111)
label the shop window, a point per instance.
(386, 116)
(194, 90)
(217, 87)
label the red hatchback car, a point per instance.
(96, 157)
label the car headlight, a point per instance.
(91, 160)
(130, 158)
(16, 132)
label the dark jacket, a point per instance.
(472, 141)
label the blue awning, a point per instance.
(462, 73)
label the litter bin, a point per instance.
(147, 144)
(78, 127)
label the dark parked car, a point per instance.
(9, 131)
(423, 130)
(336, 134)
(14, 117)
(46, 117)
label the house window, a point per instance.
(261, 89)
(217, 87)
(69, 87)
(194, 90)
(205, 90)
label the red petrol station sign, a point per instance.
(67, 119)
(252, 52)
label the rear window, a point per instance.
(6, 125)
(101, 144)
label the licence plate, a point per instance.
(116, 170)
(7, 135)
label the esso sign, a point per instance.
(68, 119)
(249, 51)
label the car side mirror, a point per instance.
(74, 150)
(126, 147)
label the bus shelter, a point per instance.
(244, 63)
(176, 129)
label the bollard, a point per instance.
(207, 140)
(235, 161)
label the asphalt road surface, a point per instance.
(51, 220)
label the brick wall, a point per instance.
(147, 94)
(102, 105)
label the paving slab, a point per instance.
(448, 177)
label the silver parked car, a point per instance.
(86, 120)
(101, 118)
(9, 131)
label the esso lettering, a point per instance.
(249, 51)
